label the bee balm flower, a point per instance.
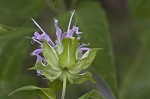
(65, 58)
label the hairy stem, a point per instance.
(64, 87)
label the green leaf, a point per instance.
(140, 82)
(50, 56)
(96, 31)
(45, 92)
(13, 48)
(12, 53)
(47, 71)
(145, 38)
(85, 60)
(93, 94)
(139, 8)
(68, 56)
(136, 81)
(7, 87)
(19, 13)
(79, 78)
(29, 87)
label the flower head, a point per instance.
(66, 57)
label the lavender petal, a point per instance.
(58, 30)
(74, 30)
(36, 53)
(84, 44)
(84, 49)
(64, 35)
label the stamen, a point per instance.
(72, 13)
(37, 41)
(37, 25)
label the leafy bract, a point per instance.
(85, 60)
(93, 94)
(46, 93)
(68, 56)
(80, 78)
(47, 71)
(50, 56)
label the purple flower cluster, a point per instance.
(37, 37)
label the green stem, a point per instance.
(64, 87)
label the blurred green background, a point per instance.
(120, 27)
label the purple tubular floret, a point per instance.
(58, 30)
(84, 49)
(84, 44)
(72, 31)
(36, 53)
(42, 36)
(64, 35)
(76, 30)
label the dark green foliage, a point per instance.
(131, 53)
(139, 8)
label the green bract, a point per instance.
(68, 63)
